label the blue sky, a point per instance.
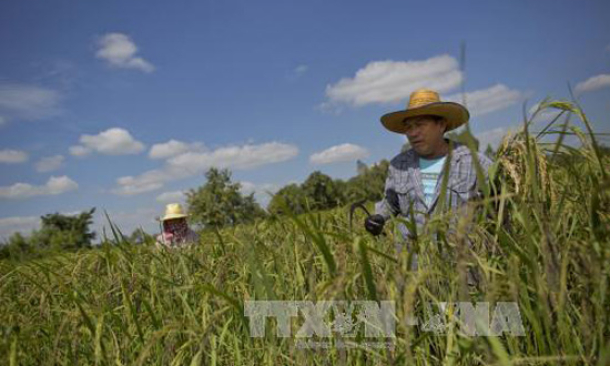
(122, 105)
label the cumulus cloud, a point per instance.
(23, 224)
(147, 182)
(301, 69)
(593, 83)
(394, 81)
(79, 151)
(54, 186)
(236, 157)
(491, 137)
(249, 187)
(8, 156)
(128, 221)
(339, 153)
(262, 192)
(544, 114)
(297, 72)
(169, 197)
(27, 102)
(191, 163)
(120, 51)
(172, 148)
(489, 100)
(114, 141)
(49, 163)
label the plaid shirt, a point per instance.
(190, 238)
(404, 178)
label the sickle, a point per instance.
(359, 204)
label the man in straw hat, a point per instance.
(175, 229)
(415, 176)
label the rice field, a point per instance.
(540, 240)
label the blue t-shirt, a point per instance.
(430, 171)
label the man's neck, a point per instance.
(441, 151)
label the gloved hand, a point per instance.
(374, 224)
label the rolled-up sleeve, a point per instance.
(385, 207)
(160, 242)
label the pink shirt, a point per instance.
(167, 240)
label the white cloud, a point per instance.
(593, 83)
(72, 213)
(27, 102)
(13, 156)
(301, 69)
(54, 186)
(262, 192)
(146, 182)
(394, 81)
(114, 141)
(489, 100)
(249, 187)
(339, 153)
(491, 137)
(297, 72)
(169, 197)
(49, 163)
(23, 224)
(191, 163)
(128, 221)
(79, 151)
(120, 51)
(172, 148)
(544, 114)
(236, 157)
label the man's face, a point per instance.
(425, 134)
(173, 225)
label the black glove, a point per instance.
(374, 224)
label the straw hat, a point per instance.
(426, 102)
(173, 211)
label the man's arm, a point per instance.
(160, 242)
(385, 208)
(388, 205)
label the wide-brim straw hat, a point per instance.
(173, 211)
(426, 102)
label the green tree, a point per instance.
(219, 202)
(321, 191)
(290, 197)
(16, 247)
(57, 232)
(368, 185)
(66, 232)
(489, 152)
(139, 236)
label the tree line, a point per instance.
(218, 203)
(57, 232)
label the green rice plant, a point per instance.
(539, 238)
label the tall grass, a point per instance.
(541, 239)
